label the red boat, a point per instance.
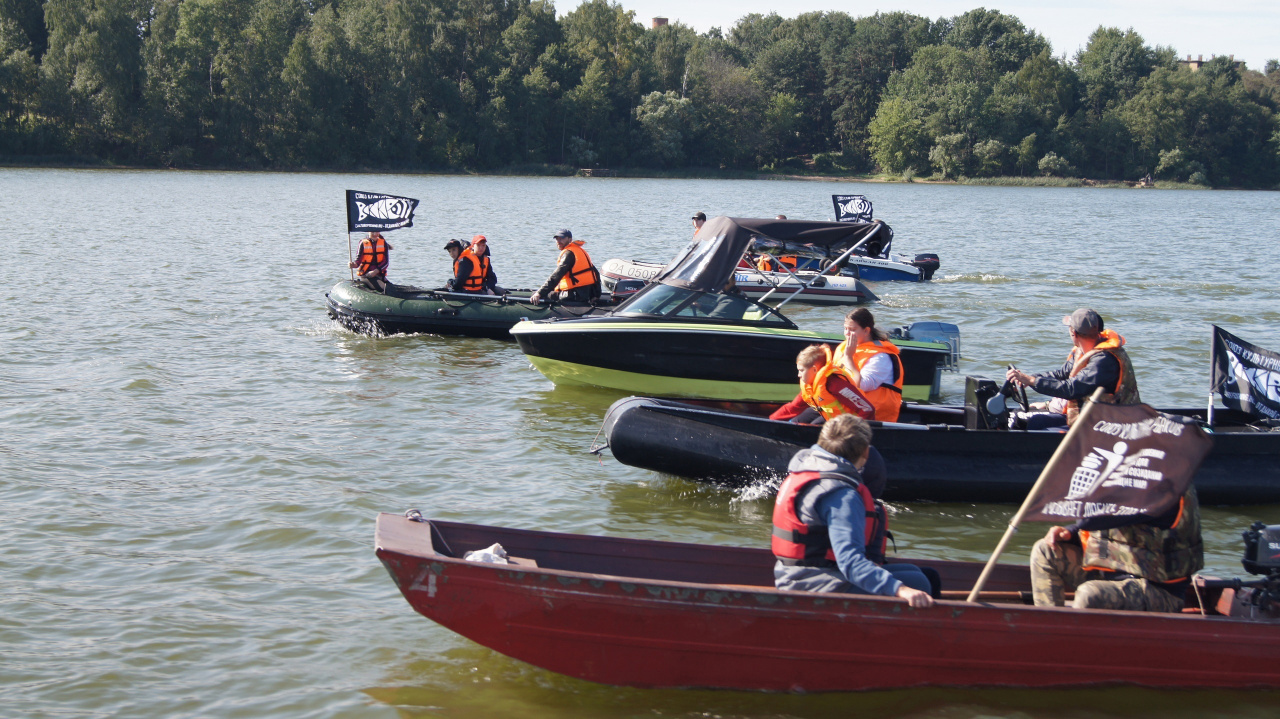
(664, 614)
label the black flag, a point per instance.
(1246, 376)
(852, 208)
(374, 211)
(1127, 460)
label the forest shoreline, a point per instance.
(75, 163)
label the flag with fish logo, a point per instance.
(852, 208)
(1125, 460)
(368, 211)
(1246, 376)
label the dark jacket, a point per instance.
(1103, 370)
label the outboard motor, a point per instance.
(1258, 597)
(624, 289)
(928, 264)
(979, 393)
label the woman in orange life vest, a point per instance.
(825, 390)
(575, 279)
(372, 261)
(829, 532)
(872, 363)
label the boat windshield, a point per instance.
(677, 302)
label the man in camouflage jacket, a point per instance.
(1139, 562)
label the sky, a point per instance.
(1248, 29)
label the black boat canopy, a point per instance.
(709, 261)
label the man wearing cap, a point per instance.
(699, 219)
(575, 278)
(1097, 359)
(472, 270)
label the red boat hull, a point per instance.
(652, 632)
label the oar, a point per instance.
(1035, 492)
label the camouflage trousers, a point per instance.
(1060, 568)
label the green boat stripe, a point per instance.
(549, 327)
(570, 373)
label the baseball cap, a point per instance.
(453, 243)
(1084, 322)
(699, 216)
(479, 238)
(564, 233)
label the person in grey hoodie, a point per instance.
(820, 523)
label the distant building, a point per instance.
(659, 21)
(1196, 64)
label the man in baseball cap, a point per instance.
(699, 219)
(575, 278)
(1097, 359)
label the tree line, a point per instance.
(504, 84)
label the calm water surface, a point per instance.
(192, 454)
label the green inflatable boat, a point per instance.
(406, 309)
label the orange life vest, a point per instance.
(373, 255)
(798, 544)
(479, 270)
(582, 274)
(1126, 391)
(887, 398)
(818, 395)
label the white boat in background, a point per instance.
(624, 277)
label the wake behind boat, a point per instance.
(664, 614)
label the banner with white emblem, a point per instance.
(367, 211)
(1246, 376)
(852, 208)
(1126, 460)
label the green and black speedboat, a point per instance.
(406, 309)
(683, 336)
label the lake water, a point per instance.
(192, 453)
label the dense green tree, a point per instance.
(1007, 40)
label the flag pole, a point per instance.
(350, 257)
(1033, 494)
(1213, 336)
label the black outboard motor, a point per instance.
(623, 289)
(1258, 597)
(928, 264)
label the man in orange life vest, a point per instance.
(372, 261)
(575, 279)
(699, 219)
(1097, 359)
(829, 533)
(472, 269)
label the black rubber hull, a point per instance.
(939, 462)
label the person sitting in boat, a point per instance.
(1097, 359)
(769, 263)
(872, 363)
(1137, 563)
(575, 278)
(699, 219)
(825, 390)
(372, 261)
(829, 533)
(472, 270)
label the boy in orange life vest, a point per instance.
(575, 279)
(372, 261)
(828, 531)
(472, 271)
(825, 390)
